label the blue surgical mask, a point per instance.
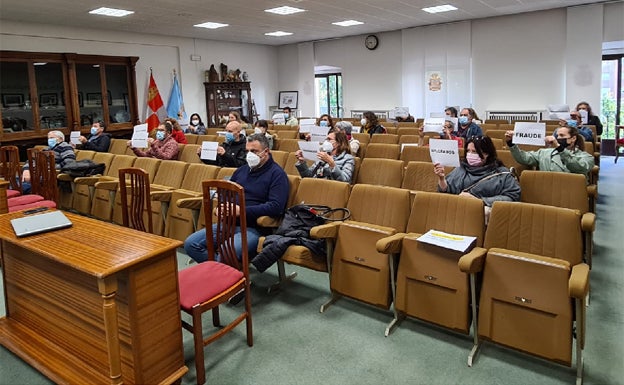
(160, 135)
(463, 120)
(229, 137)
(51, 142)
(285, 116)
(572, 123)
(323, 123)
(94, 130)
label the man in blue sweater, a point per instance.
(266, 193)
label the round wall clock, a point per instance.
(371, 42)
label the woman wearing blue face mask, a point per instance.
(465, 125)
(232, 152)
(98, 140)
(163, 147)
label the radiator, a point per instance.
(511, 116)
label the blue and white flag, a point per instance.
(175, 106)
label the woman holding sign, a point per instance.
(334, 159)
(563, 154)
(480, 175)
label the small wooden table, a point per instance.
(96, 303)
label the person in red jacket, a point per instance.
(177, 132)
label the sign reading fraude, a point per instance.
(530, 133)
(444, 152)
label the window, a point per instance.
(329, 91)
(612, 94)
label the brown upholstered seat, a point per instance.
(383, 150)
(104, 195)
(377, 171)
(385, 138)
(84, 187)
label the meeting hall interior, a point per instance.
(70, 315)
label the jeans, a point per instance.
(196, 248)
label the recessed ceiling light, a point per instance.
(211, 25)
(286, 10)
(40, 63)
(347, 23)
(278, 33)
(440, 8)
(111, 12)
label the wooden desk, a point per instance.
(96, 303)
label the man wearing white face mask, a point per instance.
(334, 162)
(266, 194)
(98, 140)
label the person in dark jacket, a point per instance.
(266, 193)
(98, 140)
(592, 120)
(232, 152)
(370, 124)
(63, 155)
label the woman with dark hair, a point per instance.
(451, 111)
(196, 126)
(177, 132)
(334, 159)
(261, 127)
(592, 120)
(325, 121)
(481, 175)
(565, 152)
(370, 124)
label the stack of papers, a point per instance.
(448, 241)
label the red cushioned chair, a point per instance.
(43, 182)
(619, 141)
(205, 286)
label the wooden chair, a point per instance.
(134, 188)
(205, 286)
(45, 169)
(11, 170)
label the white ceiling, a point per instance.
(248, 21)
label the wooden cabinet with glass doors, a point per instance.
(40, 92)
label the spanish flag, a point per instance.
(155, 105)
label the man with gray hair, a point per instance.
(63, 154)
(346, 127)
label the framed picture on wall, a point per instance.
(288, 99)
(80, 101)
(94, 99)
(12, 100)
(48, 100)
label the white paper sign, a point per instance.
(437, 114)
(279, 119)
(584, 116)
(139, 139)
(448, 241)
(318, 134)
(73, 137)
(530, 133)
(305, 125)
(209, 150)
(140, 127)
(560, 115)
(433, 124)
(454, 120)
(356, 129)
(309, 150)
(444, 152)
(403, 145)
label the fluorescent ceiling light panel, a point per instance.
(210, 25)
(440, 8)
(286, 10)
(347, 23)
(278, 33)
(40, 63)
(111, 12)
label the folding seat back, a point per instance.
(84, 188)
(390, 128)
(206, 138)
(188, 154)
(84, 154)
(533, 280)
(150, 165)
(118, 146)
(288, 145)
(497, 134)
(383, 150)
(361, 137)
(104, 198)
(499, 144)
(415, 153)
(377, 171)
(385, 138)
(280, 157)
(419, 176)
(358, 270)
(405, 130)
(486, 127)
(191, 138)
(289, 166)
(409, 139)
(509, 161)
(287, 134)
(429, 284)
(225, 172)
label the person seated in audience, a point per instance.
(196, 126)
(63, 155)
(177, 132)
(592, 120)
(98, 140)
(447, 133)
(565, 152)
(405, 118)
(289, 119)
(481, 175)
(346, 127)
(163, 147)
(236, 116)
(370, 124)
(465, 125)
(451, 112)
(334, 159)
(575, 121)
(324, 120)
(266, 193)
(262, 127)
(232, 152)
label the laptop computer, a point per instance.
(40, 223)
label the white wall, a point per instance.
(612, 27)
(161, 53)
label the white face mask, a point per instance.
(195, 122)
(257, 130)
(363, 122)
(327, 147)
(253, 160)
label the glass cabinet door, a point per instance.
(17, 114)
(117, 89)
(51, 95)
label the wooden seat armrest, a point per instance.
(592, 191)
(472, 262)
(588, 222)
(87, 180)
(161, 196)
(269, 222)
(260, 243)
(190, 203)
(578, 283)
(391, 244)
(328, 230)
(64, 178)
(110, 185)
